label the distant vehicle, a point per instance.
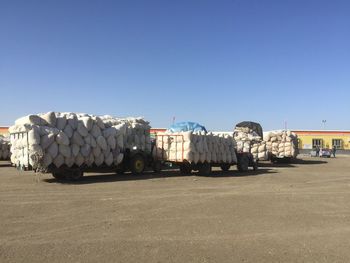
(325, 152)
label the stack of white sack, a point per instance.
(4, 148)
(248, 140)
(195, 147)
(137, 131)
(259, 151)
(283, 143)
(69, 139)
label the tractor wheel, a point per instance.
(255, 166)
(137, 164)
(225, 167)
(58, 176)
(120, 171)
(204, 169)
(185, 168)
(157, 166)
(75, 175)
(243, 163)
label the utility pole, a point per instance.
(324, 124)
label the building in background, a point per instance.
(154, 131)
(309, 139)
(4, 130)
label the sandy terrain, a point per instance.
(285, 213)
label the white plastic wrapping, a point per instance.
(195, 147)
(75, 139)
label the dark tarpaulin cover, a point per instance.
(252, 125)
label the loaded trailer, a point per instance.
(134, 160)
(282, 145)
(68, 144)
(249, 138)
(179, 157)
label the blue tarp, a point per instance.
(186, 126)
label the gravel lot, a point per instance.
(283, 213)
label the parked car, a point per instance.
(325, 152)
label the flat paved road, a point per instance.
(286, 213)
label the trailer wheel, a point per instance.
(243, 163)
(75, 174)
(225, 167)
(185, 168)
(58, 176)
(120, 171)
(255, 166)
(137, 164)
(204, 169)
(157, 166)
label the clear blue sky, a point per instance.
(214, 62)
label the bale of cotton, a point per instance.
(282, 143)
(195, 147)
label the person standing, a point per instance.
(317, 151)
(334, 150)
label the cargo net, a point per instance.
(75, 139)
(194, 147)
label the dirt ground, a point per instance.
(282, 213)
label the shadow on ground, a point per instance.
(292, 163)
(112, 177)
(5, 164)
(309, 162)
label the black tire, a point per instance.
(120, 171)
(225, 167)
(255, 166)
(243, 163)
(58, 176)
(157, 166)
(204, 169)
(185, 168)
(137, 164)
(75, 175)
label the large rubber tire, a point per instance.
(255, 166)
(204, 169)
(157, 166)
(120, 171)
(225, 167)
(185, 168)
(58, 176)
(74, 175)
(137, 164)
(243, 163)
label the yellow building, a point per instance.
(309, 139)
